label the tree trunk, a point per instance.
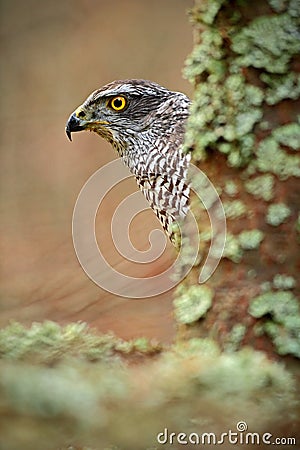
(244, 135)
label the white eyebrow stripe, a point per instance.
(124, 89)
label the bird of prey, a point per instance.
(145, 123)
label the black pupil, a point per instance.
(81, 114)
(118, 103)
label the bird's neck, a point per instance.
(155, 157)
(154, 150)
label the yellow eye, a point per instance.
(118, 103)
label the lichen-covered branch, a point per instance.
(70, 388)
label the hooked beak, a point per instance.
(73, 124)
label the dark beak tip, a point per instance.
(73, 124)
(69, 134)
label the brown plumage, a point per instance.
(145, 123)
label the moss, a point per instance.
(288, 135)
(272, 53)
(281, 87)
(192, 303)
(284, 326)
(277, 213)
(270, 157)
(250, 240)
(234, 209)
(281, 281)
(232, 250)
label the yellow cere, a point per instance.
(80, 113)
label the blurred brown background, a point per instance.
(53, 54)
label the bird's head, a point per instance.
(120, 111)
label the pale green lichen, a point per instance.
(49, 342)
(223, 118)
(298, 224)
(294, 9)
(288, 135)
(278, 5)
(272, 53)
(261, 187)
(141, 345)
(205, 236)
(234, 209)
(207, 11)
(145, 346)
(285, 342)
(270, 157)
(265, 125)
(232, 250)
(280, 87)
(192, 303)
(236, 335)
(277, 213)
(250, 239)
(281, 281)
(231, 188)
(206, 57)
(266, 286)
(226, 108)
(279, 304)
(284, 328)
(234, 381)
(188, 385)
(197, 346)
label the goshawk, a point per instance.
(145, 123)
